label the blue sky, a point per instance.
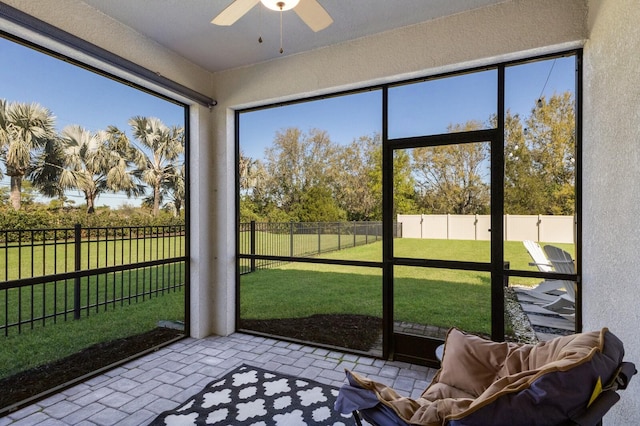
(426, 108)
(78, 96)
(344, 118)
(75, 95)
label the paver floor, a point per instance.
(135, 393)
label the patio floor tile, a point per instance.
(135, 393)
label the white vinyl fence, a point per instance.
(541, 228)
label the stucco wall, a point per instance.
(508, 30)
(482, 36)
(81, 20)
(611, 190)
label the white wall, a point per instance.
(611, 188)
(85, 22)
(483, 36)
(540, 228)
(513, 29)
(509, 30)
(202, 253)
(81, 20)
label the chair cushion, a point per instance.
(470, 363)
(482, 382)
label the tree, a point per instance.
(4, 195)
(165, 144)
(247, 169)
(47, 168)
(550, 134)
(252, 189)
(25, 131)
(539, 158)
(307, 177)
(358, 185)
(523, 191)
(28, 194)
(452, 178)
(359, 180)
(175, 190)
(296, 163)
(95, 163)
(249, 211)
(404, 184)
(318, 205)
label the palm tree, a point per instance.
(25, 131)
(175, 190)
(165, 145)
(99, 162)
(46, 169)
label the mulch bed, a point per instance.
(29, 383)
(359, 332)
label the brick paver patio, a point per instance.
(137, 392)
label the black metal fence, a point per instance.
(59, 274)
(303, 239)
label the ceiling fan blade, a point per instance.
(234, 11)
(313, 14)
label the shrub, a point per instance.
(41, 217)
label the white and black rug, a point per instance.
(252, 396)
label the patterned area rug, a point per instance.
(252, 396)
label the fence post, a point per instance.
(252, 242)
(366, 233)
(539, 223)
(507, 224)
(507, 265)
(339, 230)
(78, 265)
(475, 226)
(291, 238)
(354, 233)
(319, 246)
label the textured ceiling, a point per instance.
(184, 26)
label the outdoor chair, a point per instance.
(570, 380)
(562, 263)
(547, 289)
(539, 258)
(554, 296)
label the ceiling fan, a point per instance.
(310, 11)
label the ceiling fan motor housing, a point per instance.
(280, 5)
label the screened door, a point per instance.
(443, 269)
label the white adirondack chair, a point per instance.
(544, 265)
(562, 263)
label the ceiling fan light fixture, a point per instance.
(280, 5)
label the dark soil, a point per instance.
(359, 332)
(32, 382)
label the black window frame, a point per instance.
(500, 273)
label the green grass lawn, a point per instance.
(98, 292)
(23, 261)
(113, 305)
(42, 345)
(282, 244)
(431, 296)
(294, 290)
